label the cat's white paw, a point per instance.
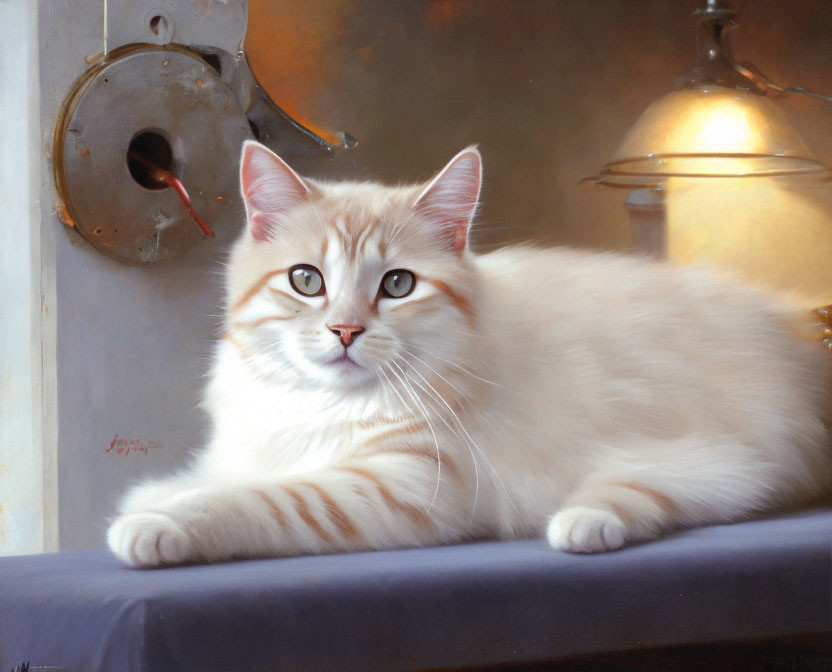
(149, 539)
(580, 529)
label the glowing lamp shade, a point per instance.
(709, 131)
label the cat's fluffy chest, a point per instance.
(270, 427)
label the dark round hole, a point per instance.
(158, 23)
(147, 151)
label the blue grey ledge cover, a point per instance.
(465, 605)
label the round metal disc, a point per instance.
(164, 93)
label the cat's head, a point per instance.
(346, 285)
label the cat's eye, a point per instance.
(307, 280)
(397, 284)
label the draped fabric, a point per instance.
(473, 604)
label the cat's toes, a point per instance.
(584, 530)
(149, 539)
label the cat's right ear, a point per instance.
(451, 198)
(270, 188)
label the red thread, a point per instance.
(165, 177)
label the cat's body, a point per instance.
(600, 398)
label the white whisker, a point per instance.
(425, 414)
(465, 431)
(464, 396)
(458, 366)
(456, 433)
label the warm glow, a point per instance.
(709, 131)
(769, 231)
(712, 120)
(723, 128)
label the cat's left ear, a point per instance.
(450, 199)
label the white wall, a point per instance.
(27, 466)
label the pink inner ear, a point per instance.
(270, 189)
(451, 198)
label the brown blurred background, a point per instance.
(547, 88)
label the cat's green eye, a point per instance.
(397, 284)
(307, 280)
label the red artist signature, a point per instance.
(124, 447)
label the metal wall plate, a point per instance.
(169, 104)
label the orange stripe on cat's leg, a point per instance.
(256, 287)
(622, 513)
(386, 495)
(276, 511)
(336, 514)
(393, 433)
(302, 509)
(662, 501)
(418, 517)
(423, 453)
(375, 422)
(447, 462)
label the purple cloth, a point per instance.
(474, 604)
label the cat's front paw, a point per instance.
(149, 539)
(580, 529)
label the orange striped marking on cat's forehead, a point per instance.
(357, 222)
(353, 234)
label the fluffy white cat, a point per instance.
(381, 386)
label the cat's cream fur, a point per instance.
(598, 398)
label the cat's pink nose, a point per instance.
(347, 332)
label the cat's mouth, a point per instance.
(344, 360)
